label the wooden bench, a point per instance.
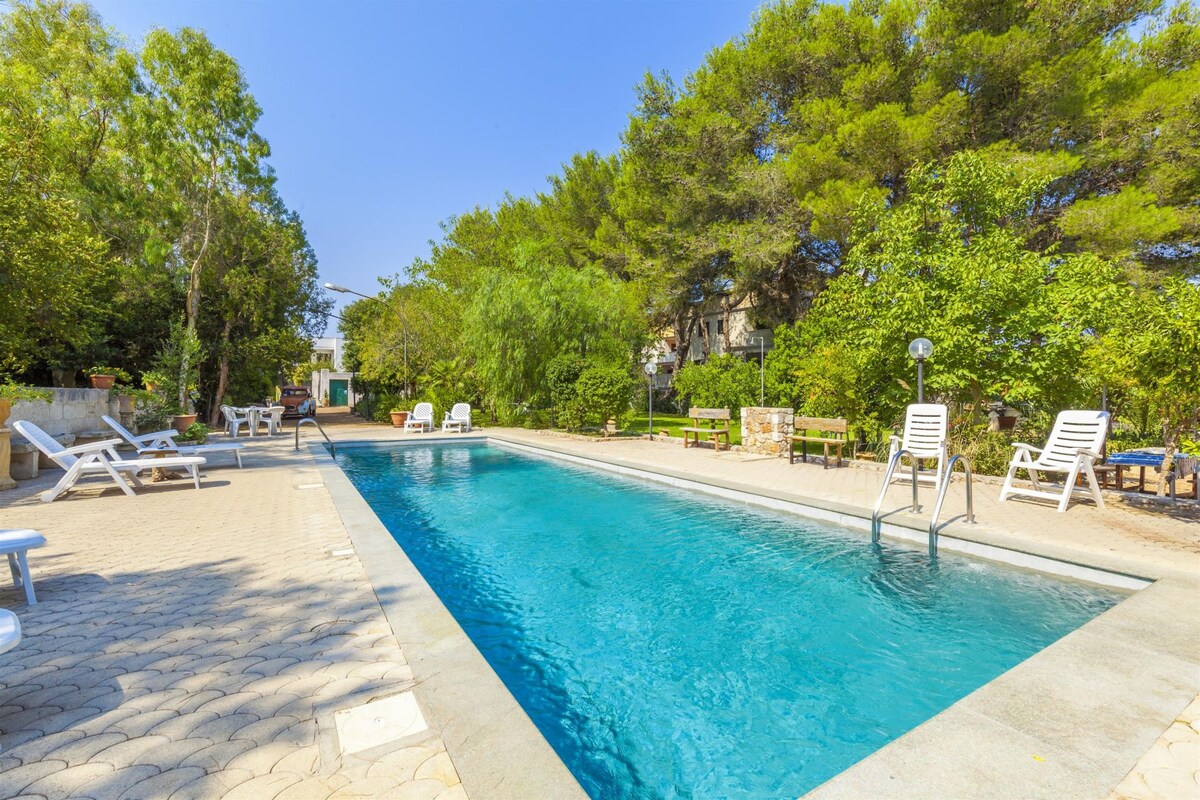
(712, 416)
(836, 428)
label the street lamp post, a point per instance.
(333, 287)
(920, 349)
(762, 370)
(650, 369)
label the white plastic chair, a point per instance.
(421, 418)
(458, 418)
(235, 418)
(1075, 443)
(925, 427)
(99, 458)
(165, 440)
(272, 417)
(15, 543)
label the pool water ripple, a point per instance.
(670, 645)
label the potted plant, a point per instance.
(105, 377)
(197, 432)
(399, 417)
(12, 392)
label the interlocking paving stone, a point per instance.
(187, 651)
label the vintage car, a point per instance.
(297, 402)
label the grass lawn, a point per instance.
(673, 423)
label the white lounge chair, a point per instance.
(234, 420)
(458, 418)
(1075, 443)
(165, 440)
(421, 418)
(925, 437)
(10, 630)
(99, 458)
(15, 543)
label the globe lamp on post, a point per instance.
(920, 349)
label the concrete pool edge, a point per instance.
(495, 746)
(1046, 728)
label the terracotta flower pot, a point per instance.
(399, 418)
(103, 381)
(151, 386)
(180, 422)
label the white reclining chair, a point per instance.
(97, 459)
(421, 418)
(458, 418)
(1074, 445)
(925, 437)
(165, 440)
(16, 543)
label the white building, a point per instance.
(745, 341)
(331, 384)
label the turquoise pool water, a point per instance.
(670, 645)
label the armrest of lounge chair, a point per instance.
(1023, 446)
(107, 444)
(1091, 453)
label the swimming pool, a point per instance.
(673, 645)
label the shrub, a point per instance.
(601, 392)
(722, 382)
(196, 432)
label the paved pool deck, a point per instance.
(201, 644)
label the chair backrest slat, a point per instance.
(924, 430)
(1073, 431)
(45, 442)
(120, 429)
(709, 413)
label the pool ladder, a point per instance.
(876, 524)
(313, 421)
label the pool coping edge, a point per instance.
(496, 748)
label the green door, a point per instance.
(338, 393)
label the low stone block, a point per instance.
(24, 464)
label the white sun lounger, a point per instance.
(165, 440)
(16, 543)
(10, 630)
(1074, 444)
(458, 418)
(421, 418)
(99, 458)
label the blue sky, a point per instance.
(387, 118)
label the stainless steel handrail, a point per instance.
(941, 498)
(887, 481)
(332, 446)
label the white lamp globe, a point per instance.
(920, 349)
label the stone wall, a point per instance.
(766, 430)
(74, 411)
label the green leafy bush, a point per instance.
(602, 392)
(15, 392)
(722, 382)
(196, 432)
